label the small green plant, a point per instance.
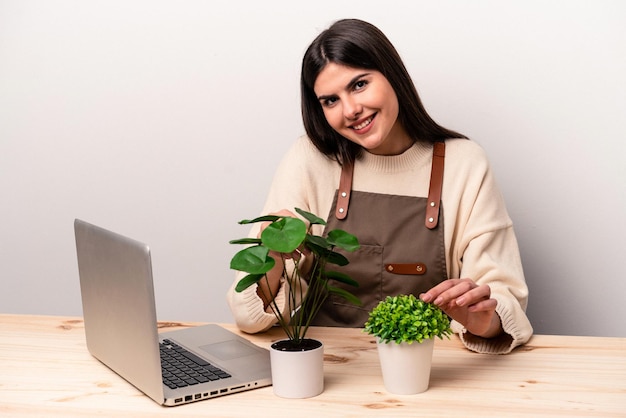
(283, 236)
(405, 318)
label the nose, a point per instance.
(351, 108)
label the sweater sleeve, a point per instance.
(247, 307)
(493, 259)
(485, 249)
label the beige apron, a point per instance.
(402, 245)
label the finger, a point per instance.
(483, 306)
(437, 290)
(304, 250)
(463, 287)
(296, 254)
(474, 295)
(301, 252)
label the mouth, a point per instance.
(364, 123)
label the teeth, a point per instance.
(364, 124)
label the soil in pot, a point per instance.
(306, 344)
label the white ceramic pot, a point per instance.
(297, 374)
(406, 367)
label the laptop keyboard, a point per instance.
(182, 368)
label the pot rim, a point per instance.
(286, 345)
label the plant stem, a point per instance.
(316, 293)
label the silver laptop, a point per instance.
(121, 328)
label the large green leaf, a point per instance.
(255, 260)
(345, 294)
(310, 217)
(341, 277)
(338, 259)
(343, 239)
(246, 241)
(248, 281)
(317, 242)
(284, 235)
(265, 218)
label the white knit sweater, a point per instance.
(479, 239)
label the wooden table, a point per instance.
(46, 371)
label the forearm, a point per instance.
(247, 309)
(268, 286)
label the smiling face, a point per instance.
(362, 106)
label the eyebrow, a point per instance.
(350, 84)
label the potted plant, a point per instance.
(405, 328)
(284, 236)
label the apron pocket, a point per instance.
(366, 268)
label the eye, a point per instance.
(329, 101)
(360, 85)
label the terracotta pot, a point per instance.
(406, 367)
(297, 372)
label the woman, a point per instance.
(373, 161)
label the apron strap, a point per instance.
(436, 183)
(343, 193)
(434, 192)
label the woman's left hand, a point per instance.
(467, 303)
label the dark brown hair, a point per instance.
(358, 44)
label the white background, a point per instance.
(165, 120)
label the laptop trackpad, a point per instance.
(229, 350)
